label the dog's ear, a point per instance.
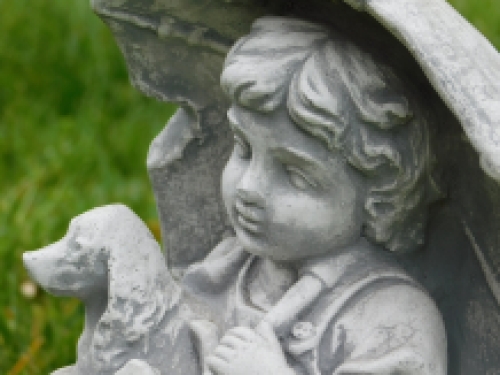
(141, 290)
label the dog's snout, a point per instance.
(29, 260)
(34, 264)
(41, 263)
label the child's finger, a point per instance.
(243, 333)
(224, 352)
(233, 341)
(216, 364)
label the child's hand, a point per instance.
(243, 351)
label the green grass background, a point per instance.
(74, 135)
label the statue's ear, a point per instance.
(140, 291)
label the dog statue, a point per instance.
(110, 260)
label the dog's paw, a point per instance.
(137, 367)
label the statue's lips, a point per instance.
(167, 27)
(249, 226)
(249, 218)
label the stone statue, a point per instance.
(352, 230)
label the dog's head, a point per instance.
(110, 247)
(76, 265)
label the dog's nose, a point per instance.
(41, 263)
(29, 259)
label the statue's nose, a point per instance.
(252, 185)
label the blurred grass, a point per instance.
(74, 135)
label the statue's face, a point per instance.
(288, 196)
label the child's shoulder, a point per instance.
(369, 292)
(394, 324)
(387, 319)
(395, 302)
(388, 295)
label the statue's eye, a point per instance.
(299, 178)
(242, 148)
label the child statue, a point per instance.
(330, 173)
(331, 168)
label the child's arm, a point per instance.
(244, 351)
